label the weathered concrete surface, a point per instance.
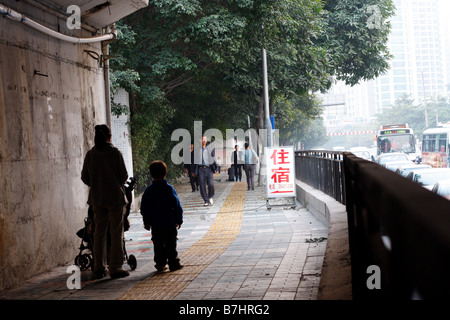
(51, 96)
(335, 280)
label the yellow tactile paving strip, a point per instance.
(223, 231)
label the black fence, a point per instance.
(322, 170)
(399, 232)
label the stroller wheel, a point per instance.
(83, 261)
(132, 262)
(89, 260)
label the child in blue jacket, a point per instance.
(162, 213)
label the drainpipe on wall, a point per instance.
(105, 61)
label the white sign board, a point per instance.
(280, 164)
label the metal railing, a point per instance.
(323, 171)
(399, 232)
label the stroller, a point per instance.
(85, 259)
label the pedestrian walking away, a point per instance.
(237, 162)
(162, 214)
(105, 173)
(189, 167)
(250, 158)
(205, 169)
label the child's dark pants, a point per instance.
(165, 247)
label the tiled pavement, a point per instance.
(233, 250)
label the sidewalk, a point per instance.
(235, 249)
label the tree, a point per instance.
(186, 60)
(356, 35)
(298, 120)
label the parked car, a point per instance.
(442, 188)
(429, 177)
(361, 152)
(394, 165)
(392, 156)
(405, 170)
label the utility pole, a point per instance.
(267, 123)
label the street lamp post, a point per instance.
(267, 123)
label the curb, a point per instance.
(336, 279)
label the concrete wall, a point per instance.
(336, 279)
(46, 127)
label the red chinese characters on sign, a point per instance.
(279, 157)
(280, 172)
(280, 175)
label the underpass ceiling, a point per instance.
(97, 13)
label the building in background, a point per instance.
(417, 43)
(344, 105)
(420, 68)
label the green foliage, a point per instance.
(298, 120)
(356, 36)
(188, 60)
